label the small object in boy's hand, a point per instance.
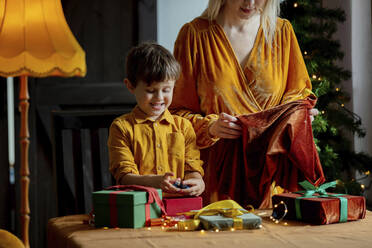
(180, 185)
(184, 186)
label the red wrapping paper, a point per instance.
(173, 206)
(322, 211)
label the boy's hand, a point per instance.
(166, 183)
(196, 187)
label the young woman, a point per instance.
(237, 58)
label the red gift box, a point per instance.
(173, 206)
(323, 210)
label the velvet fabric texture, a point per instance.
(276, 145)
(322, 211)
(213, 81)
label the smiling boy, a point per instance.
(149, 146)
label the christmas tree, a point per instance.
(315, 26)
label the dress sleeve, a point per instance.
(120, 153)
(192, 153)
(298, 85)
(185, 98)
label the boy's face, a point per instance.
(152, 99)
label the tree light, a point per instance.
(295, 5)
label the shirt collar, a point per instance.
(141, 117)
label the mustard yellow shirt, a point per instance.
(213, 81)
(142, 146)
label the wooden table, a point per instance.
(71, 232)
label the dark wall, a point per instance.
(5, 203)
(106, 30)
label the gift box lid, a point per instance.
(122, 198)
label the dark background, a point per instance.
(106, 30)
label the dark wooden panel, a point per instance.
(5, 206)
(70, 94)
(81, 156)
(147, 28)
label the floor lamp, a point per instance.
(35, 41)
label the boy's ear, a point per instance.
(129, 85)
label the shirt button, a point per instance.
(158, 145)
(160, 169)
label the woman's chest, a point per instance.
(242, 45)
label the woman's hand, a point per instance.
(313, 112)
(225, 127)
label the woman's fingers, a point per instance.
(231, 125)
(227, 117)
(313, 112)
(226, 127)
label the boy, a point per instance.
(149, 146)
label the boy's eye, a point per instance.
(150, 91)
(166, 90)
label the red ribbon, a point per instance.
(153, 195)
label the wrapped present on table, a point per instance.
(176, 205)
(316, 206)
(221, 215)
(244, 221)
(130, 206)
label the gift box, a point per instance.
(173, 206)
(321, 210)
(122, 208)
(221, 215)
(245, 221)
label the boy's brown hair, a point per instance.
(150, 63)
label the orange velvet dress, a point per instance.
(213, 81)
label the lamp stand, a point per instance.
(25, 172)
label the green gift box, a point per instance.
(245, 221)
(126, 209)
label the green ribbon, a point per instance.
(309, 192)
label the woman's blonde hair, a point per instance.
(269, 14)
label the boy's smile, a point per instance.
(153, 98)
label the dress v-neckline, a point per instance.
(259, 31)
(240, 68)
